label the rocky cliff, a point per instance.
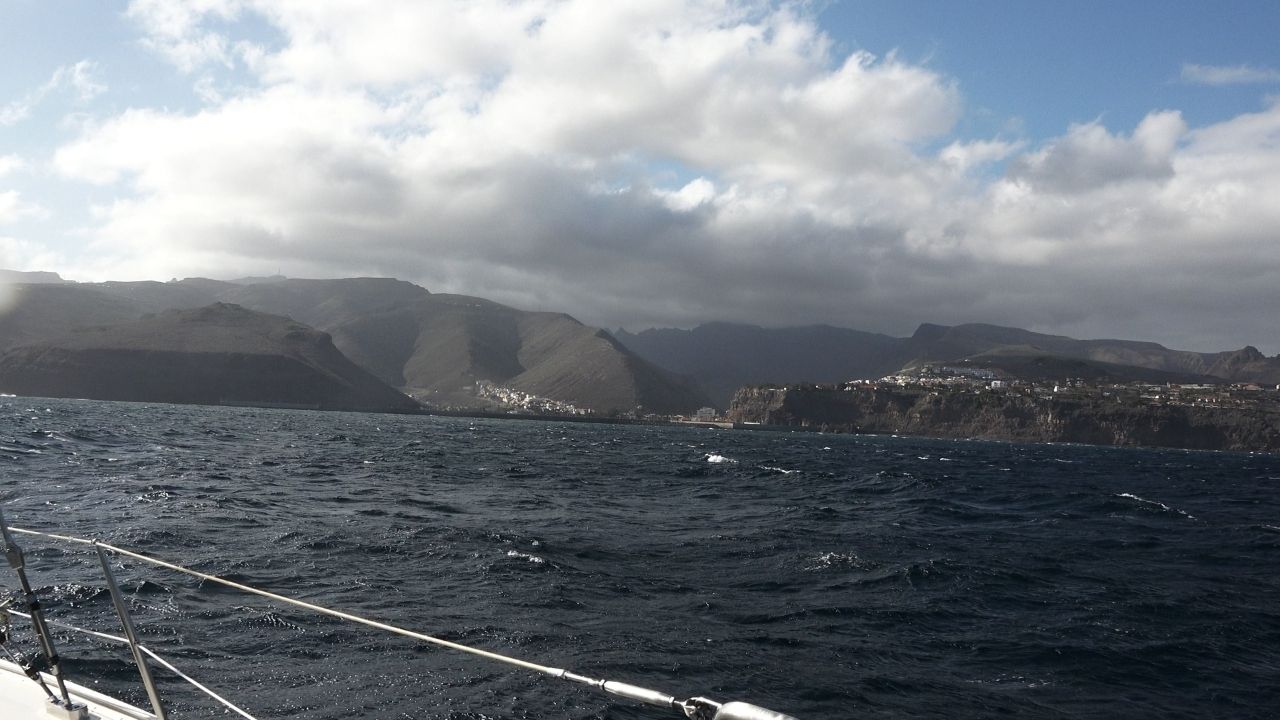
(1017, 418)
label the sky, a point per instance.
(1093, 169)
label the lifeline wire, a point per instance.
(114, 638)
(612, 687)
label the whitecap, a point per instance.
(771, 468)
(833, 559)
(1157, 503)
(718, 458)
(525, 556)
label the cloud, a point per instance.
(1164, 245)
(1216, 75)
(427, 157)
(78, 79)
(695, 194)
(969, 156)
(1089, 158)
(10, 206)
(17, 254)
(10, 164)
(14, 208)
(669, 162)
(176, 29)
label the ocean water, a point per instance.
(823, 576)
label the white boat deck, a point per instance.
(22, 699)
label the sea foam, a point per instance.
(1156, 503)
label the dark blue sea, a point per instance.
(824, 576)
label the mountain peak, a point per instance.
(929, 332)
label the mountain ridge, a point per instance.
(726, 356)
(438, 346)
(433, 346)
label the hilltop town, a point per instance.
(966, 378)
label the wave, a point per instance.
(952, 585)
(527, 557)
(1157, 503)
(829, 560)
(780, 471)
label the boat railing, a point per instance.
(693, 708)
(149, 653)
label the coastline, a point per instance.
(586, 419)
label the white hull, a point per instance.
(22, 699)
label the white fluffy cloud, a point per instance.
(667, 162)
(1089, 158)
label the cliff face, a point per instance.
(1014, 418)
(220, 354)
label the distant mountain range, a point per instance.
(435, 347)
(431, 346)
(723, 357)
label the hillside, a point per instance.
(433, 346)
(43, 311)
(219, 354)
(1034, 365)
(437, 345)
